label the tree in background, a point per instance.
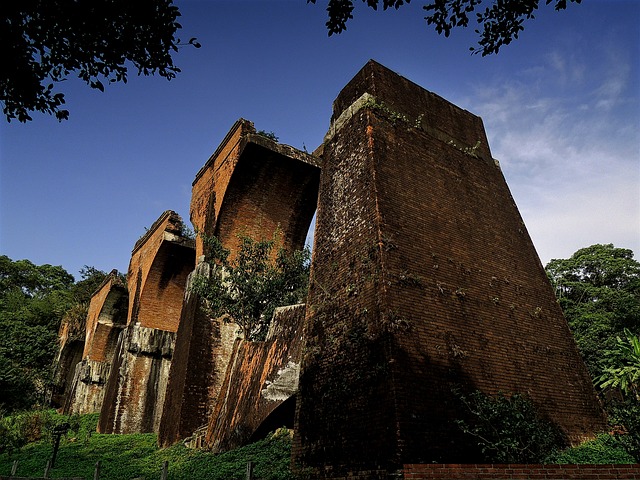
(42, 42)
(499, 21)
(251, 286)
(599, 291)
(33, 300)
(598, 288)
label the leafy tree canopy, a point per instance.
(33, 300)
(598, 288)
(250, 287)
(42, 42)
(599, 291)
(623, 370)
(499, 21)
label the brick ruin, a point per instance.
(424, 279)
(106, 318)
(253, 186)
(160, 263)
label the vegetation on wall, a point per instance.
(249, 287)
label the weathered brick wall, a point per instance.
(254, 186)
(250, 186)
(202, 351)
(137, 382)
(212, 180)
(520, 472)
(88, 387)
(107, 315)
(160, 262)
(261, 378)
(71, 335)
(69, 354)
(424, 278)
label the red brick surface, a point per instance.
(424, 278)
(520, 472)
(250, 186)
(107, 315)
(257, 383)
(160, 263)
(256, 187)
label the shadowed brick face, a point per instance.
(424, 278)
(254, 186)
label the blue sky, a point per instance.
(561, 106)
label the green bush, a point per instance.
(624, 415)
(508, 428)
(605, 449)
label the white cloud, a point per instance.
(569, 147)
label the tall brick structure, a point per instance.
(424, 281)
(106, 318)
(71, 336)
(253, 186)
(160, 263)
(424, 278)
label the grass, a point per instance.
(125, 457)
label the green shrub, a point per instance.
(605, 449)
(508, 428)
(624, 415)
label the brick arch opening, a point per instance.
(269, 195)
(161, 298)
(281, 416)
(111, 320)
(70, 355)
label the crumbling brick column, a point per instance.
(106, 317)
(251, 186)
(160, 263)
(424, 279)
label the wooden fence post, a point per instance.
(250, 470)
(46, 469)
(96, 472)
(14, 468)
(165, 470)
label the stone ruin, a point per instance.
(423, 279)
